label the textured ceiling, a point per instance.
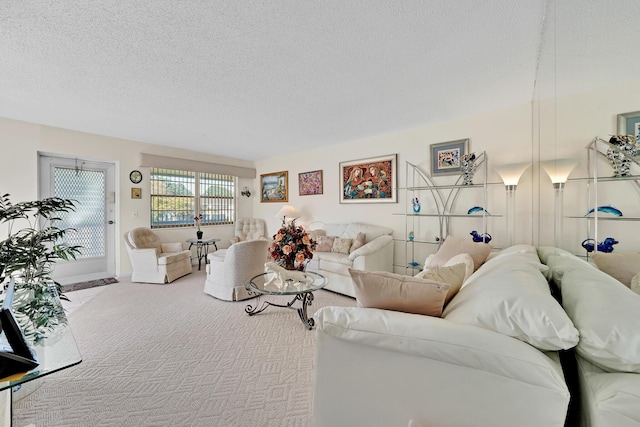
(251, 79)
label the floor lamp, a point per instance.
(510, 175)
(558, 170)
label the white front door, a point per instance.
(92, 186)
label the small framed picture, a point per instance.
(629, 124)
(371, 180)
(274, 187)
(446, 156)
(310, 183)
(136, 193)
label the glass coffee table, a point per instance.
(262, 284)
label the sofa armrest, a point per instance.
(430, 370)
(371, 247)
(144, 259)
(442, 340)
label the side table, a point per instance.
(202, 248)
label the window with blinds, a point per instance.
(178, 196)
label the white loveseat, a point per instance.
(607, 315)
(490, 360)
(375, 255)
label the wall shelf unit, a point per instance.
(440, 204)
(599, 190)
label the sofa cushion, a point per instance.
(358, 242)
(171, 247)
(635, 283)
(325, 243)
(453, 246)
(315, 234)
(370, 231)
(452, 275)
(510, 295)
(341, 245)
(396, 292)
(622, 266)
(604, 311)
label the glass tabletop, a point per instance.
(205, 241)
(268, 284)
(57, 351)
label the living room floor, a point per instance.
(77, 298)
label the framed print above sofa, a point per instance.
(370, 180)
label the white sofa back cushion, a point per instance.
(606, 312)
(510, 295)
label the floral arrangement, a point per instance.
(292, 247)
(197, 220)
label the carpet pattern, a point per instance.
(170, 355)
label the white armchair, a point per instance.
(249, 229)
(153, 261)
(229, 270)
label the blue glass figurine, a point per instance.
(416, 205)
(477, 237)
(604, 246)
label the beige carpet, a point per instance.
(170, 355)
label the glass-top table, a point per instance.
(56, 351)
(267, 284)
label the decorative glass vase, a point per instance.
(199, 234)
(416, 205)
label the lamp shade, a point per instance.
(559, 169)
(287, 211)
(511, 174)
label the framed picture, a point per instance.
(310, 183)
(136, 193)
(369, 180)
(274, 187)
(629, 124)
(445, 157)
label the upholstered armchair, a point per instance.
(153, 261)
(229, 270)
(249, 229)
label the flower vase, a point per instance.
(199, 234)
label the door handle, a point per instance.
(110, 222)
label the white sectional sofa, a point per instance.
(607, 315)
(491, 359)
(375, 254)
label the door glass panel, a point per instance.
(87, 189)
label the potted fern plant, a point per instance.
(29, 251)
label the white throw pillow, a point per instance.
(511, 296)
(453, 246)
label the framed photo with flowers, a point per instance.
(310, 183)
(274, 187)
(446, 156)
(629, 124)
(370, 180)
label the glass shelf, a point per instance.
(607, 218)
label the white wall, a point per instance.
(21, 142)
(541, 130)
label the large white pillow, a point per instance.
(607, 314)
(510, 295)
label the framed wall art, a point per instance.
(370, 180)
(445, 157)
(629, 124)
(310, 183)
(274, 187)
(136, 193)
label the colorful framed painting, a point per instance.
(310, 183)
(274, 187)
(369, 180)
(445, 157)
(629, 124)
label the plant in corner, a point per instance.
(29, 254)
